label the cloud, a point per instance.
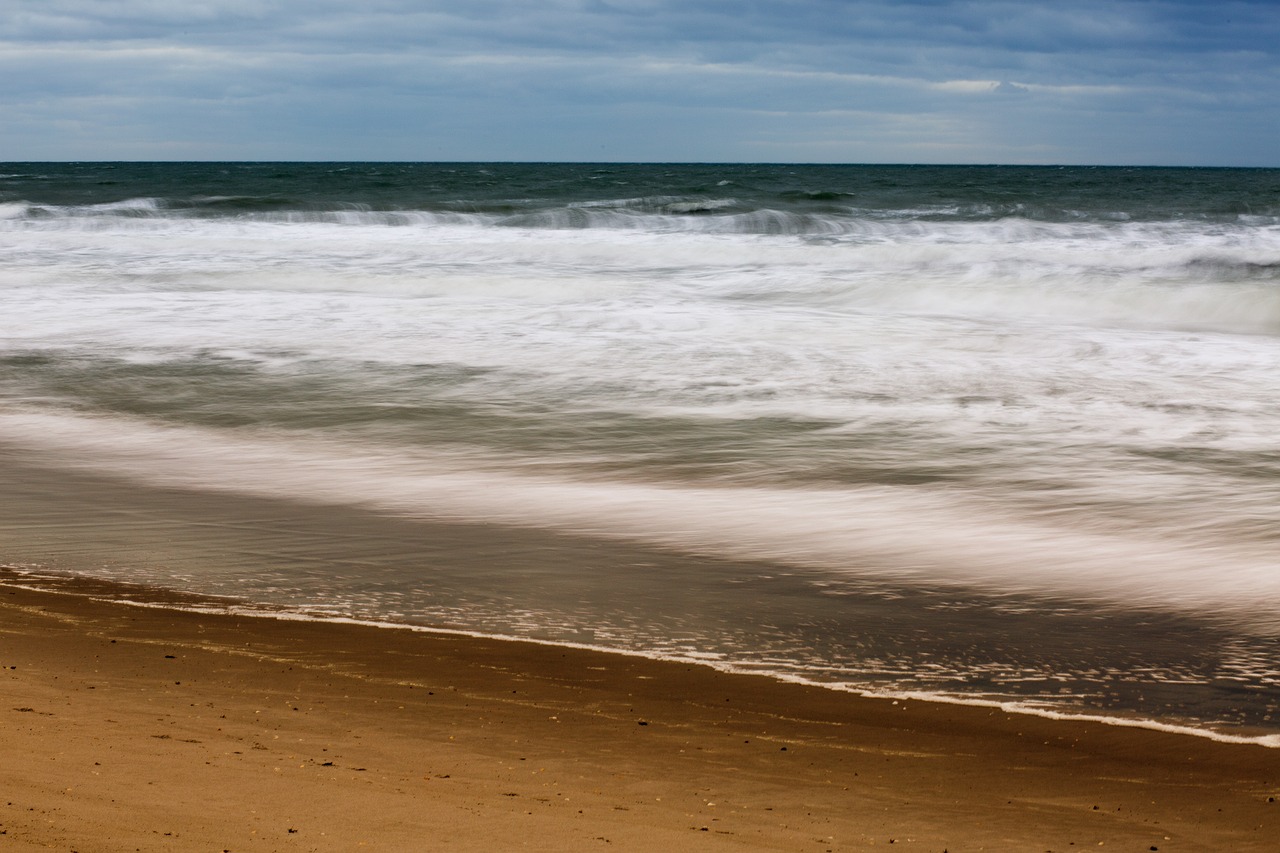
(1004, 87)
(573, 79)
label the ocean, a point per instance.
(1005, 435)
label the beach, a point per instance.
(152, 728)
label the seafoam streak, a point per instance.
(915, 535)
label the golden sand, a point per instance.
(129, 728)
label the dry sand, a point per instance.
(128, 728)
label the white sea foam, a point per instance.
(1142, 275)
(1061, 354)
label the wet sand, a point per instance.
(129, 728)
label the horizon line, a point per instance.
(990, 165)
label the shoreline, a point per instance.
(133, 595)
(163, 729)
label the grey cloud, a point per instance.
(1004, 87)
(807, 79)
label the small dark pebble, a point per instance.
(292, 831)
(643, 723)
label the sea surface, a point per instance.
(991, 434)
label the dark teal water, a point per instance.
(543, 193)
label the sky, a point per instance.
(1126, 82)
